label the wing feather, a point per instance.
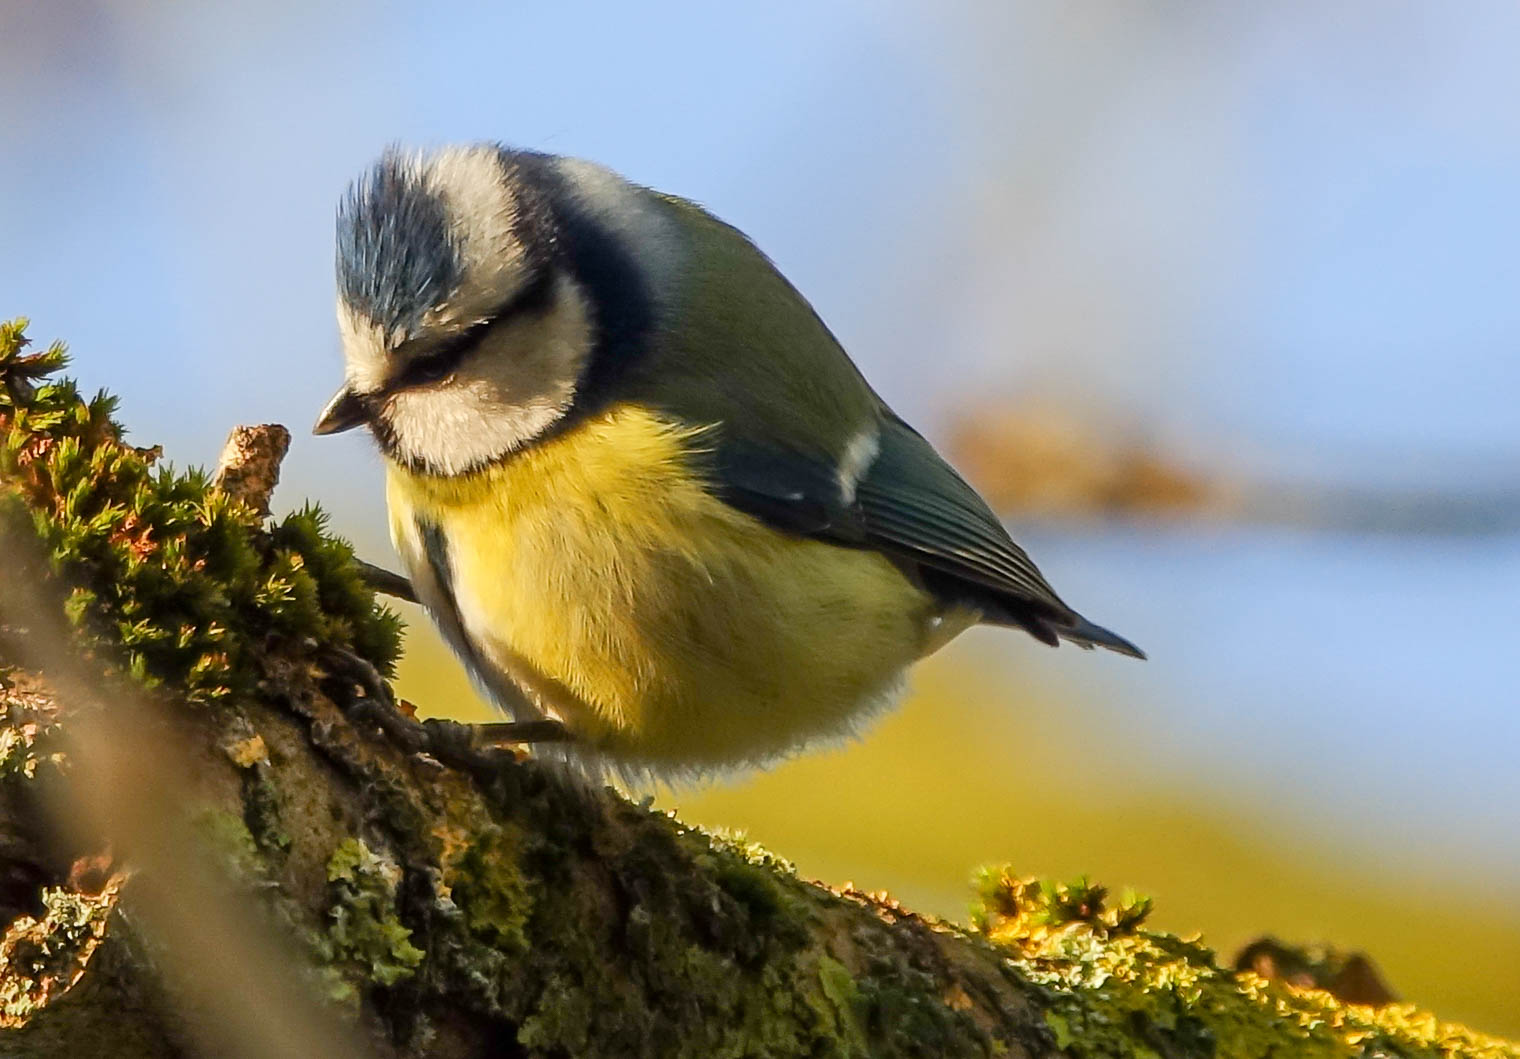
(911, 505)
(911, 498)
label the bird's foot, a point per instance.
(475, 748)
(483, 746)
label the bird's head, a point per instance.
(465, 329)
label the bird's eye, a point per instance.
(444, 359)
(440, 362)
(431, 368)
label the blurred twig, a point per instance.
(1037, 460)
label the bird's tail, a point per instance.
(1085, 634)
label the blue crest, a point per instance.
(396, 258)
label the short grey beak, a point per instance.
(344, 412)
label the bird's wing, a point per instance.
(803, 443)
(911, 505)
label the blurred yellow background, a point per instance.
(1261, 258)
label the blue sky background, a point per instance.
(1284, 238)
(1290, 230)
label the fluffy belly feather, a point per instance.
(668, 630)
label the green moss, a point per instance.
(227, 837)
(1112, 990)
(179, 582)
(903, 1008)
(334, 596)
(696, 966)
(760, 881)
(840, 991)
(365, 929)
(562, 1020)
(725, 956)
(485, 881)
(755, 888)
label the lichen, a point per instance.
(840, 990)
(365, 929)
(226, 837)
(1113, 990)
(45, 956)
(25, 748)
(484, 880)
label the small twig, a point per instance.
(249, 468)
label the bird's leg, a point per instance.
(382, 580)
(503, 733)
(472, 747)
(544, 730)
(453, 741)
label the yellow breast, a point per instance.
(668, 629)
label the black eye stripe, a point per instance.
(442, 359)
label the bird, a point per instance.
(649, 500)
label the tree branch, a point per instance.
(183, 689)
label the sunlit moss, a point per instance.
(171, 576)
(26, 748)
(1113, 990)
(45, 956)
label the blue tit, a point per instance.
(635, 479)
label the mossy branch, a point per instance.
(496, 909)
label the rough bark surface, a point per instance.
(500, 914)
(487, 906)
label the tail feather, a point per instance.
(1085, 634)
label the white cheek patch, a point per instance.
(517, 385)
(859, 453)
